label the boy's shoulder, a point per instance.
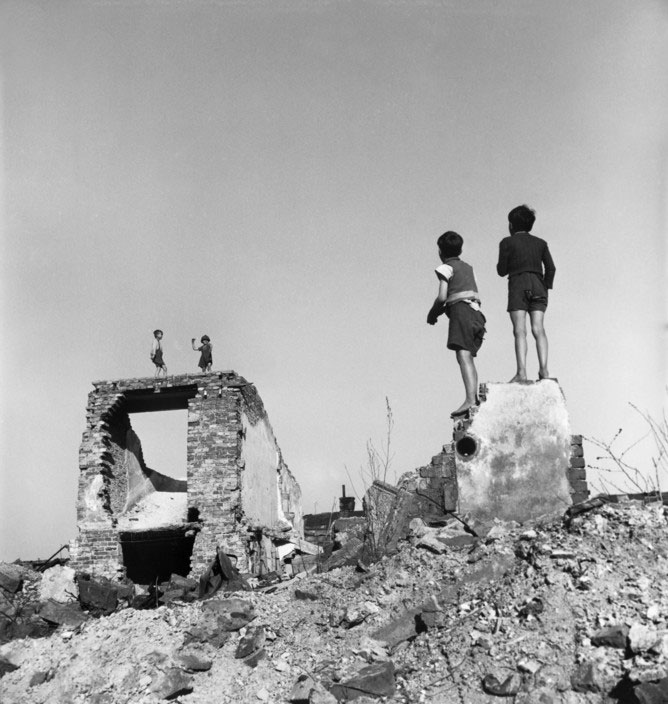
(520, 237)
(444, 271)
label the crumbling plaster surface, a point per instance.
(519, 470)
(261, 499)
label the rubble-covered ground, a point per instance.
(556, 612)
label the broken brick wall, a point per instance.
(228, 437)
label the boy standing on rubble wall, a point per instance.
(458, 298)
(206, 356)
(527, 262)
(156, 354)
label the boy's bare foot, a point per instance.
(462, 410)
(518, 377)
(544, 375)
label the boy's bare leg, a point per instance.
(470, 378)
(519, 318)
(538, 332)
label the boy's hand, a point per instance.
(432, 318)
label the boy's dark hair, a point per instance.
(205, 337)
(155, 332)
(522, 218)
(450, 244)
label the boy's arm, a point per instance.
(438, 306)
(154, 348)
(550, 269)
(502, 264)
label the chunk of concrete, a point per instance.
(172, 683)
(58, 584)
(512, 459)
(253, 640)
(6, 666)
(100, 597)
(68, 615)
(10, 578)
(612, 636)
(232, 614)
(652, 692)
(192, 662)
(376, 680)
(301, 689)
(404, 627)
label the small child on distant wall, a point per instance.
(156, 354)
(527, 262)
(458, 298)
(206, 358)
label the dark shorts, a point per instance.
(466, 329)
(526, 291)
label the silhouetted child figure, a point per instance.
(206, 348)
(458, 298)
(528, 263)
(156, 354)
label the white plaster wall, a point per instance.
(520, 470)
(91, 500)
(260, 499)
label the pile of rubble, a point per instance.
(568, 611)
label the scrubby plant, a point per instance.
(616, 465)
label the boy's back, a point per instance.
(523, 252)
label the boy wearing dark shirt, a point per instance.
(458, 298)
(527, 262)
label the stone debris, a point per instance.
(172, 683)
(499, 617)
(251, 642)
(508, 688)
(99, 597)
(68, 615)
(231, 614)
(375, 680)
(59, 584)
(612, 636)
(11, 578)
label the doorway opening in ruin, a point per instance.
(155, 555)
(164, 440)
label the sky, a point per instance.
(275, 175)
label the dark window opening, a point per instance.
(155, 555)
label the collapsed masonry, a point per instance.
(512, 459)
(238, 494)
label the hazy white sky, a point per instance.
(275, 174)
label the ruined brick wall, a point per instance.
(97, 549)
(213, 473)
(577, 474)
(228, 435)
